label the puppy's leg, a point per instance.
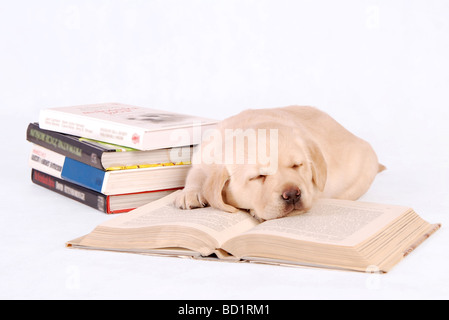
(191, 196)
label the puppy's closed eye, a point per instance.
(297, 166)
(260, 178)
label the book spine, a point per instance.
(46, 161)
(83, 174)
(91, 128)
(62, 167)
(66, 145)
(88, 197)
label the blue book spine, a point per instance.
(83, 174)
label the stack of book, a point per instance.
(113, 157)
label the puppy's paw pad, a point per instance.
(190, 199)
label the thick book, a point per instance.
(107, 182)
(108, 204)
(336, 234)
(126, 125)
(106, 156)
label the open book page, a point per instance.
(338, 222)
(179, 252)
(218, 224)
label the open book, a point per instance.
(335, 234)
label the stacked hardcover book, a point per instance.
(111, 156)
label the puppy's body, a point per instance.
(316, 158)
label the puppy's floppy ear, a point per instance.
(217, 177)
(318, 165)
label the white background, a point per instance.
(379, 67)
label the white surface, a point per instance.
(378, 67)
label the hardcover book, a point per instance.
(111, 182)
(336, 234)
(108, 204)
(106, 156)
(126, 125)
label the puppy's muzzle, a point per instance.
(291, 195)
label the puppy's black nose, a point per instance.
(291, 195)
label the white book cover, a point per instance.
(46, 161)
(126, 125)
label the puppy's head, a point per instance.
(300, 175)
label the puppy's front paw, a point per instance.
(190, 199)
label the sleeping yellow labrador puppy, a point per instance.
(271, 162)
